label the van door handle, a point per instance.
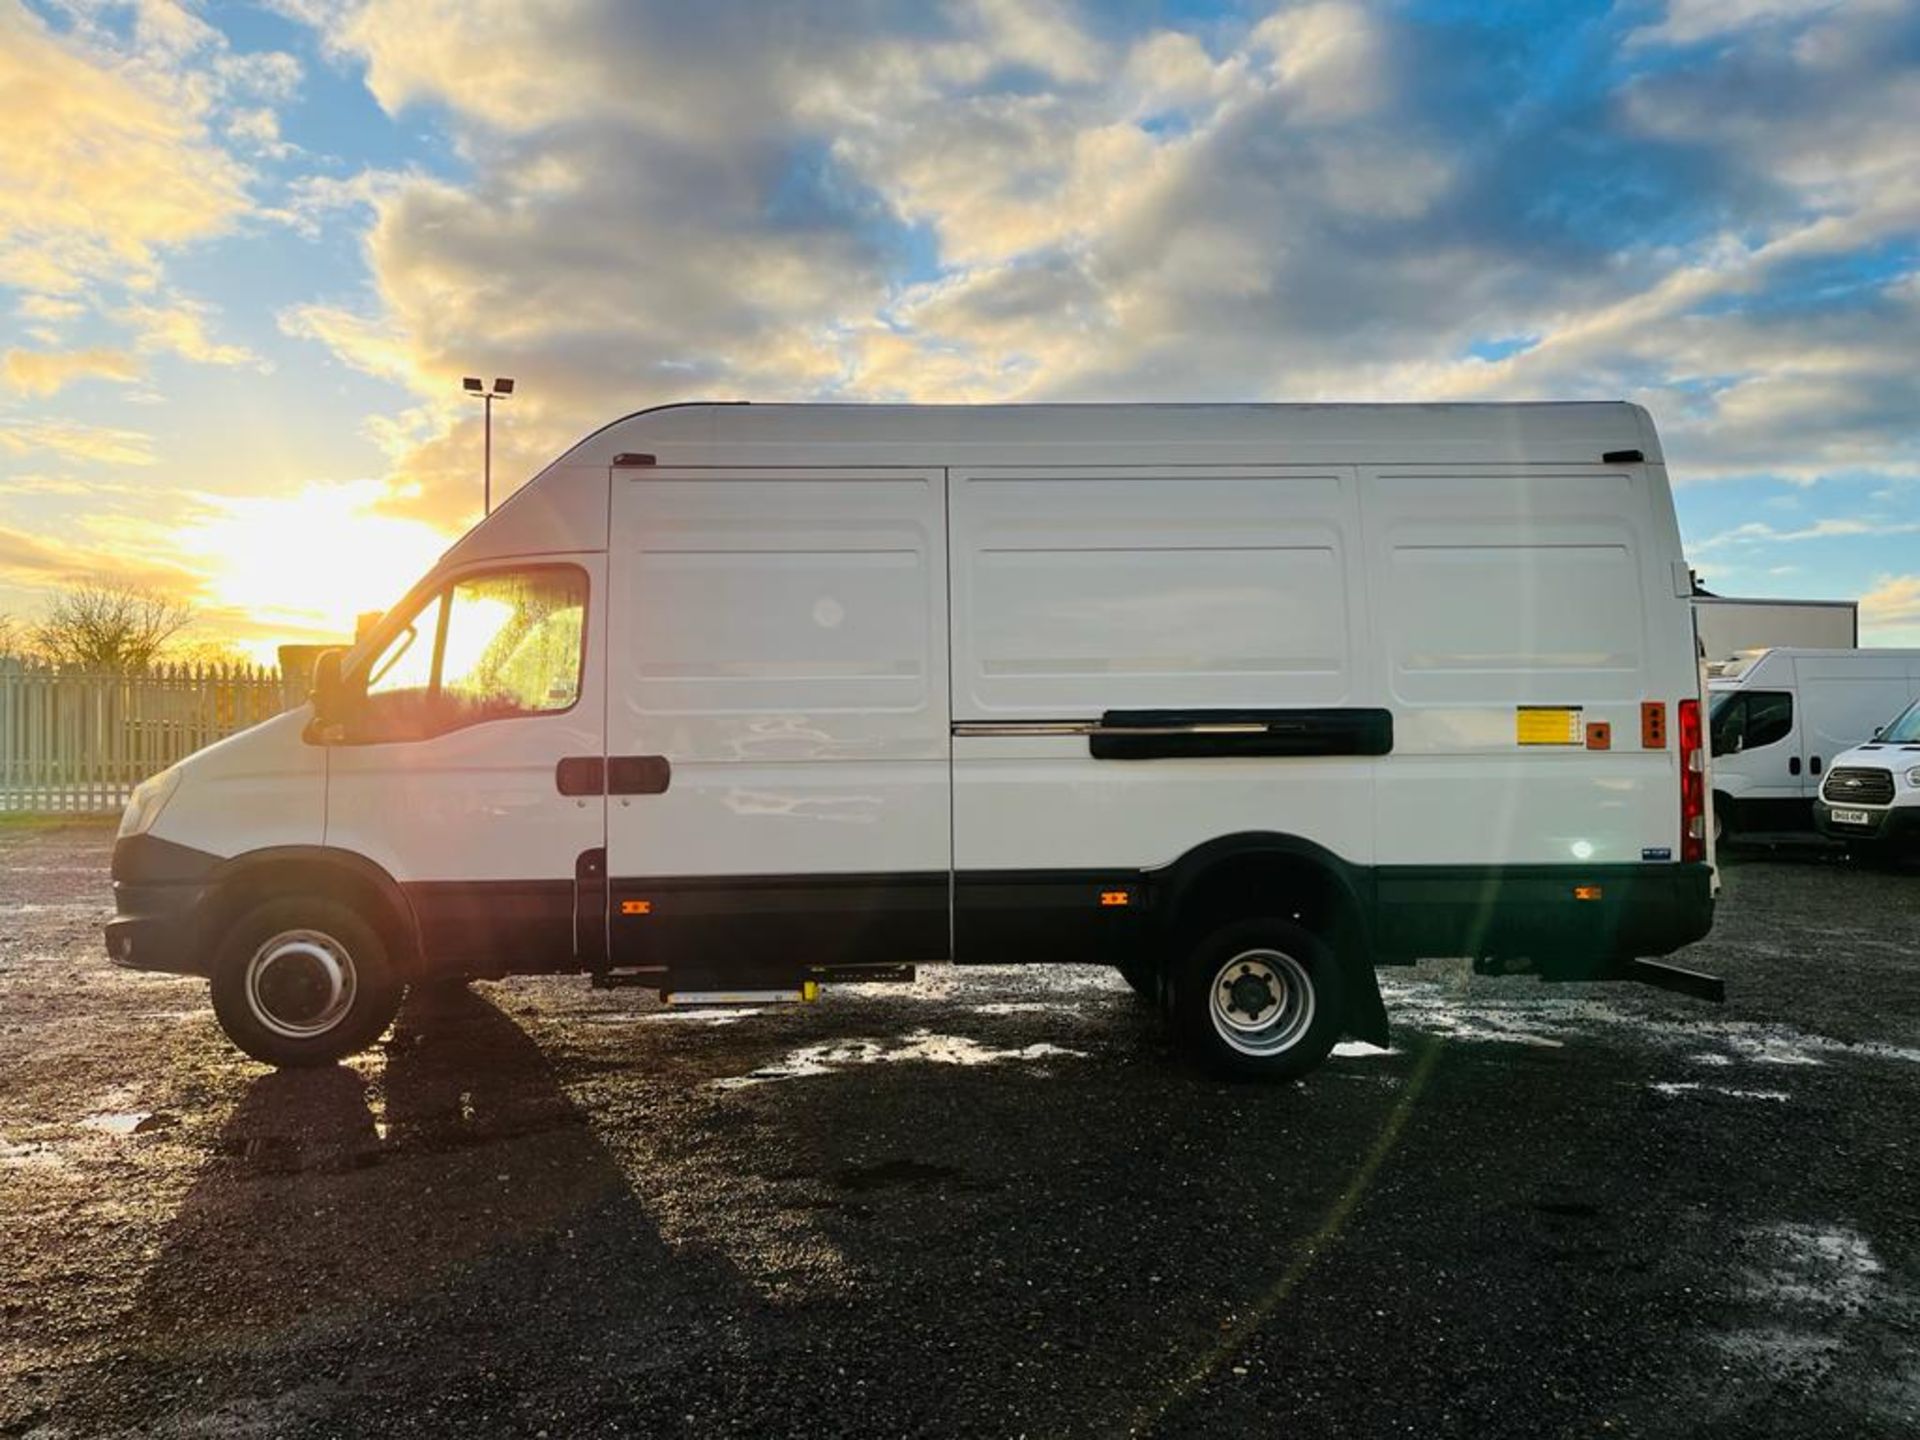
(1793, 765)
(638, 774)
(581, 775)
(1814, 765)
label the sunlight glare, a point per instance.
(313, 561)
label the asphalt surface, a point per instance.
(992, 1203)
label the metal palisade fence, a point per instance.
(77, 742)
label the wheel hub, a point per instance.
(300, 983)
(1262, 1001)
(1252, 993)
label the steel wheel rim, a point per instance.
(1261, 1002)
(300, 984)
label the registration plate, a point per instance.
(1850, 817)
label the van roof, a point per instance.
(1729, 673)
(720, 433)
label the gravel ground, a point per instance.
(991, 1203)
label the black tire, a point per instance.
(1278, 970)
(300, 982)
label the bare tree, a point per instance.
(12, 639)
(108, 625)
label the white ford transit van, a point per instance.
(1779, 718)
(1243, 699)
(1871, 796)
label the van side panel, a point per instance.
(1083, 590)
(1843, 700)
(1510, 599)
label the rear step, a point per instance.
(1678, 980)
(808, 992)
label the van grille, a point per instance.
(1858, 785)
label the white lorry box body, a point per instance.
(1778, 718)
(1730, 625)
(731, 695)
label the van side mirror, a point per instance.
(329, 692)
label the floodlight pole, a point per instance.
(501, 388)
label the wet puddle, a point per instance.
(1673, 1089)
(131, 1122)
(922, 1046)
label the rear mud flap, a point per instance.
(1366, 1013)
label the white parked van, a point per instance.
(1871, 796)
(1778, 719)
(1244, 699)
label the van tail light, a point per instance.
(1693, 784)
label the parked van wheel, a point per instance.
(1259, 999)
(303, 982)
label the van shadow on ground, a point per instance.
(453, 1241)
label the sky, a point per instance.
(248, 251)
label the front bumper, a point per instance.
(158, 892)
(1885, 822)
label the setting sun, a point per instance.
(304, 566)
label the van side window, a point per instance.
(1769, 717)
(512, 644)
(1751, 719)
(493, 646)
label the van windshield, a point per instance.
(1906, 729)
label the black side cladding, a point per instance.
(1183, 734)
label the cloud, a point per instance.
(105, 160)
(259, 130)
(42, 372)
(1757, 532)
(39, 561)
(1895, 599)
(1025, 201)
(1689, 22)
(103, 444)
(179, 327)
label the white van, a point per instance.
(1779, 717)
(1244, 699)
(1871, 796)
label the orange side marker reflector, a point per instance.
(1599, 735)
(1586, 892)
(636, 907)
(1115, 897)
(1653, 724)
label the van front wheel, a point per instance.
(1260, 999)
(303, 982)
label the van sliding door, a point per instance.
(777, 722)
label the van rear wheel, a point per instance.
(1259, 999)
(303, 982)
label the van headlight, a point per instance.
(150, 797)
(1913, 777)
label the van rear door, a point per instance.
(777, 728)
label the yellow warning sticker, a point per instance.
(1548, 725)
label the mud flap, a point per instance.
(1366, 1012)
